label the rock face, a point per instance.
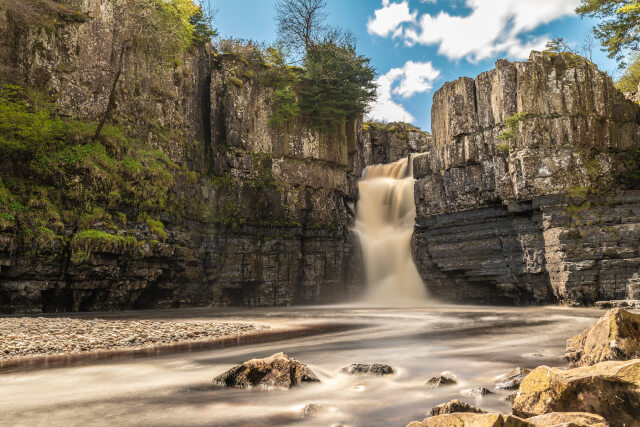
(388, 143)
(609, 389)
(277, 371)
(472, 420)
(525, 193)
(371, 369)
(256, 216)
(577, 419)
(615, 336)
(455, 406)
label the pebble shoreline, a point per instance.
(38, 336)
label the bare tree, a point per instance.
(300, 22)
(588, 44)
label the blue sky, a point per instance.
(418, 45)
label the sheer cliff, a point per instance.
(526, 193)
(187, 197)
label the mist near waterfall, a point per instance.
(385, 221)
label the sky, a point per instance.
(418, 45)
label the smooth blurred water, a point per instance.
(475, 343)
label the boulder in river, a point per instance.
(277, 371)
(472, 420)
(445, 378)
(512, 380)
(312, 411)
(455, 406)
(372, 369)
(571, 419)
(610, 389)
(477, 392)
(615, 336)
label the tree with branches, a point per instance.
(300, 23)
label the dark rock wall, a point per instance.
(266, 214)
(524, 194)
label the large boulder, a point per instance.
(442, 379)
(453, 407)
(610, 389)
(277, 371)
(615, 336)
(472, 420)
(572, 419)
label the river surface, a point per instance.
(477, 344)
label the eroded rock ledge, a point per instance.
(526, 192)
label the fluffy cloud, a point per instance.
(389, 19)
(414, 77)
(493, 27)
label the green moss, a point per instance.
(249, 74)
(237, 82)
(157, 228)
(87, 242)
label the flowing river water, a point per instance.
(475, 343)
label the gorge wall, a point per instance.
(526, 193)
(213, 207)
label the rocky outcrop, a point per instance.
(615, 336)
(512, 380)
(388, 143)
(524, 194)
(576, 419)
(476, 420)
(253, 216)
(442, 379)
(455, 406)
(275, 372)
(609, 389)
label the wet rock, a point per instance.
(568, 419)
(476, 392)
(312, 411)
(455, 406)
(443, 379)
(627, 303)
(610, 389)
(277, 371)
(509, 399)
(472, 420)
(615, 336)
(372, 369)
(512, 380)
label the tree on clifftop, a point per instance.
(619, 31)
(300, 23)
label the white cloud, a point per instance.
(412, 78)
(492, 28)
(389, 19)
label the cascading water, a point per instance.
(385, 221)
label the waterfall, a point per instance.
(385, 220)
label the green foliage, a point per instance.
(90, 241)
(618, 29)
(631, 77)
(503, 148)
(157, 228)
(285, 106)
(337, 85)
(236, 81)
(512, 126)
(557, 45)
(401, 129)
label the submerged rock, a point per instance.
(312, 411)
(568, 419)
(509, 399)
(373, 369)
(445, 378)
(512, 380)
(477, 392)
(277, 371)
(615, 336)
(609, 389)
(455, 406)
(472, 420)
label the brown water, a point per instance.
(385, 220)
(475, 343)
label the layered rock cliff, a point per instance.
(525, 194)
(192, 199)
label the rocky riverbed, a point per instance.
(38, 336)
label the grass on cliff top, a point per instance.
(394, 127)
(55, 176)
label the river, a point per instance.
(475, 343)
